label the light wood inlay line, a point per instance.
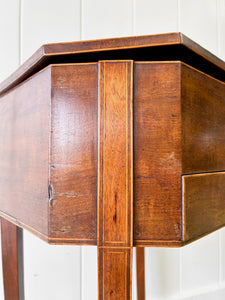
(115, 179)
(115, 151)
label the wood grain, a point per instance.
(24, 152)
(141, 141)
(169, 46)
(203, 122)
(43, 56)
(203, 197)
(180, 114)
(73, 157)
(52, 140)
(49, 138)
(12, 260)
(157, 153)
(115, 273)
(115, 179)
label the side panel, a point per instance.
(203, 144)
(24, 153)
(203, 122)
(74, 117)
(204, 199)
(157, 153)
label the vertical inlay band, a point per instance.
(115, 170)
(115, 179)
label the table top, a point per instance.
(168, 46)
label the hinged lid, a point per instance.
(160, 47)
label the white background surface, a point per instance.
(70, 272)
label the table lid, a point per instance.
(158, 47)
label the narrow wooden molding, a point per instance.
(115, 179)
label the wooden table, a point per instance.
(115, 143)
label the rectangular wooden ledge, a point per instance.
(49, 141)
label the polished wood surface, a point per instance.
(73, 156)
(203, 122)
(169, 46)
(58, 132)
(24, 152)
(157, 154)
(203, 196)
(115, 173)
(43, 56)
(116, 142)
(115, 179)
(12, 260)
(184, 121)
(114, 273)
(49, 144)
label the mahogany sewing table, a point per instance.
(115, 143)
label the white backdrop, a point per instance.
(70, 272)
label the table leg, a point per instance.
(140, 265)
(12, 260)
(115, 273)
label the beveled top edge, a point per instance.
(112, 43)
(41, 57)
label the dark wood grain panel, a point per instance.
(73, 161)
(157, 153)
(24, 152)
(203, 122)
(115, 171)
(204, 209)
(12, 260)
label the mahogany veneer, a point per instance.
(116, 143)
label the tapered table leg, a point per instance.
(114, 273)
(12, 260)
(115, 180)
(140, 265)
